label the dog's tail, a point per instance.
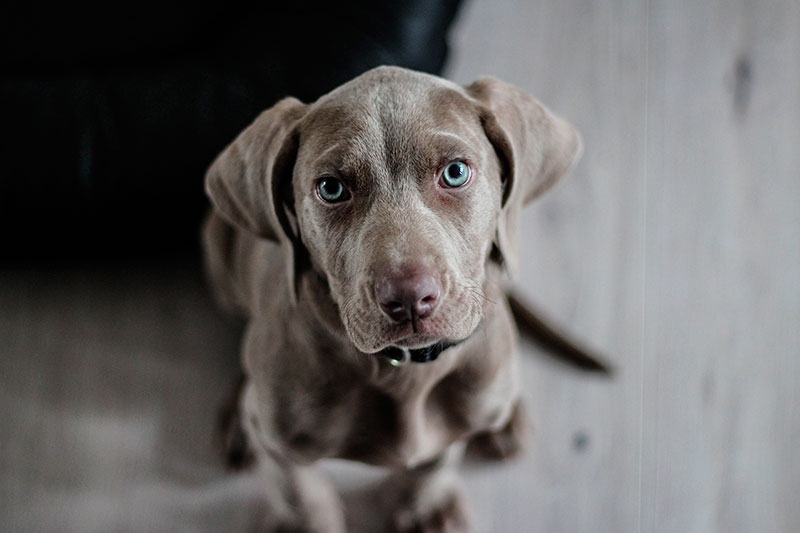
(555, 343)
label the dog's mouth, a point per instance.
(404, 342)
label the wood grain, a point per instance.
(676, 246)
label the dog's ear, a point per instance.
(535, 147)
(249, 183)
(244, 178)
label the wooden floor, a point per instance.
(674, 248)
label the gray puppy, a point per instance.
(366, 238)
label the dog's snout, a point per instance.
(408, 296)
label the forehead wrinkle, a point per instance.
(428, 125)
(407, 149)
(327, 155)
(448, 144)
(372, 152)
(344, 141)
(449, 136)
(364, 153)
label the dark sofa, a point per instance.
(113, 113)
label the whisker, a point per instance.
(479, 294)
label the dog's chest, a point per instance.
(391, 425)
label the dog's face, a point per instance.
(399, 189)
(397, 194)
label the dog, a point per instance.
(366, 239)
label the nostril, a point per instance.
(394, 307)
(426, 304)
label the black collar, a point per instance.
(400, 356)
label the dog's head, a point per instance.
(399, 190)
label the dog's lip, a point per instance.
(404, 337)
(416, 341)
(412, 342)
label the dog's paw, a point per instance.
(294, 499)
(446, 516)
(509, 442)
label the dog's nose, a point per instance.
(409, 296)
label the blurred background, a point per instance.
(673, 249)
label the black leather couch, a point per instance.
(113, 113)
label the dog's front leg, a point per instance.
(297, 498)
(429, 497)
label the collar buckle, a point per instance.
(401, 357)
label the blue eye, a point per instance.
(332, 191)
(456, 174)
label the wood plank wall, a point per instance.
(675, 247)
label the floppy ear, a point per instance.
(241, 181)
(249, 183)
(535, 147)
